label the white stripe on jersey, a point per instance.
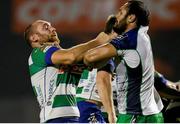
(66, 89)
(30, 60)
(132, 59)
(59, 112)
(89, 87)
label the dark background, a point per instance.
(17, 101)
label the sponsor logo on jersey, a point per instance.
(76, 68)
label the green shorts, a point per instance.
(129, 118)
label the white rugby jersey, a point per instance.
(54, 87)
(135, 73)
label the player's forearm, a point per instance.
(159, 78)
(173, 85)
(74, 54)
(80, 49)
(105, 91)
(99, 54)
(101, 39)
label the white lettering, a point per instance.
(24, 12)
(66, 11)
(59, 11)
(75, 10)
(102, 9)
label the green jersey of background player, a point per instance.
(95, 90)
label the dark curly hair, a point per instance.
(140, 11)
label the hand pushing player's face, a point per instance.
(46, 33)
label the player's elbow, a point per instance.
(88, 59)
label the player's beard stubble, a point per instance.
(54, 39)
(50, 40)
(120, 26)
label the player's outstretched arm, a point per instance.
(169, 84)
(178, 86)
(75, 54)
(103, 82)
(99, 54)
(173, 85)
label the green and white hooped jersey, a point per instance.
(54, 87)
(87, 86)
(135, 74)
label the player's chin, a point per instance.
(53, 38)
(56, 40)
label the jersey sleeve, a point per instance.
(48, 55)
(159, 81)
(42, 57)
(124, 42)
(109, 67)
(119, 42)
(159, 78)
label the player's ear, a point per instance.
(34, 38)
(131, 18)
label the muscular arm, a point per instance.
(167, 88)
(103, 82)
(169, 84)
(101, 53)
(74, 54)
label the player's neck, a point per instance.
(130, 27)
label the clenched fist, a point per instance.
(110, 24)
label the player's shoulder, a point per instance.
(121, 37)
(43, 49)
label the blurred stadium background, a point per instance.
(76, 21)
